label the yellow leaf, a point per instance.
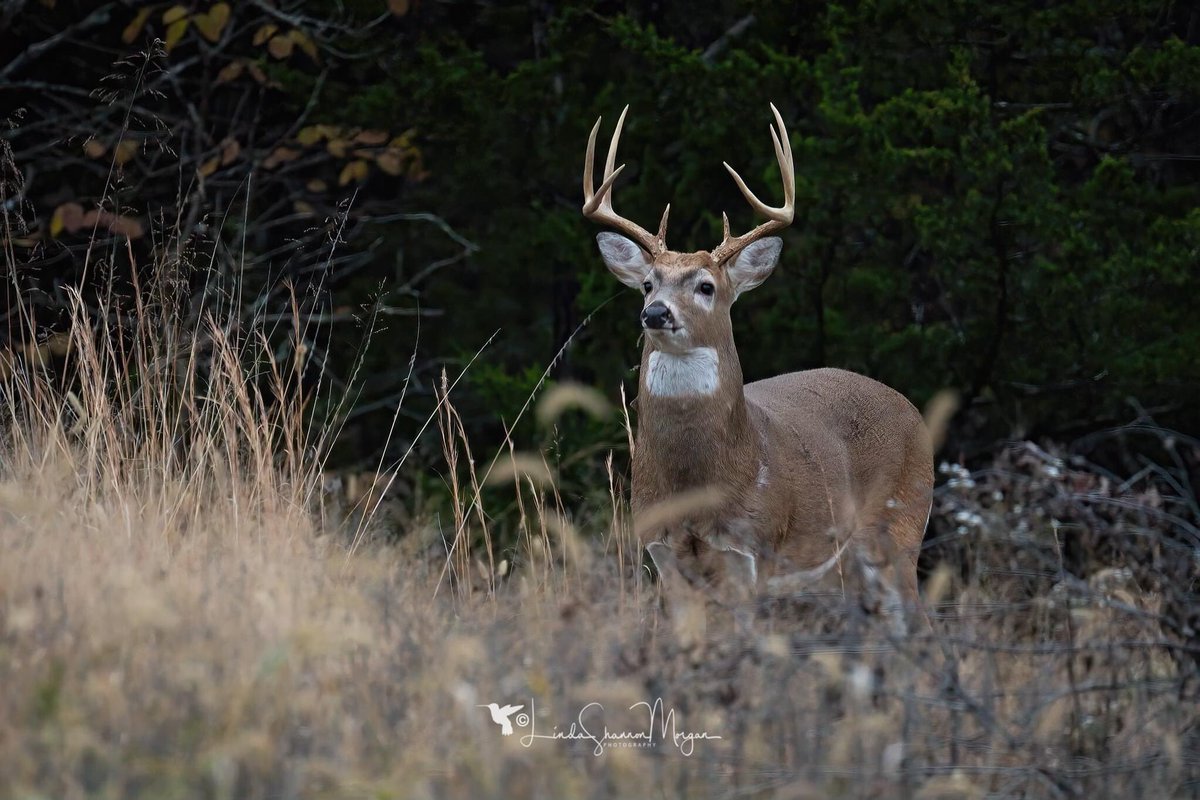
(94, 148)
(303, 42)
(175, 32)
(302, 207)
(213, 23)
(316, 185)
(312, 134)
(391, 161)
(68, 217)
(353, 171)
(230, 72)
(280, 47)
(371, 138)
(399, 7)
(126, 149)
(209, 167)
(174, 14)
(264, 33)
(338, 147)
(135, 25)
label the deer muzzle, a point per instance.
(657, 316)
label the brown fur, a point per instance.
(837, 448)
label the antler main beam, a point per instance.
(777, 218)
(597, 204)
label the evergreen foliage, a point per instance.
(998, 198)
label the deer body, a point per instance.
(807, 465)
(813, 478)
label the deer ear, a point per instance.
(624, 258)
(752, 266)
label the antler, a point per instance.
(777, 218)
(598, 205)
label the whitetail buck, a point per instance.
(822, 477)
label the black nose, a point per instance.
(656, 315)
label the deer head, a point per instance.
(687, 296)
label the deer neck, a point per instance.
(693, 426)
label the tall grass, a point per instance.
(187, 610)
(176, 621)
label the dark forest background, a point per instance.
(998, 198)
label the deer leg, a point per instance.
(738, 587)
(684, 603)
(882, 590)
(894, 541)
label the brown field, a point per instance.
(190, 606)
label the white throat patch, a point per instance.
(690, 374)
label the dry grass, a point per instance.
(178, 618)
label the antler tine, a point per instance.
(600, 201)
(785, 157)
(597, 204)
(612, 145)
(588, 164)
(662, 224)
(777, 218)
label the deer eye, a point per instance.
(707, 289)
(646, 287)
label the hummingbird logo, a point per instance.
(500, 716)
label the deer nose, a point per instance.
(656, 315)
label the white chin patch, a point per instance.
(692, 373)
